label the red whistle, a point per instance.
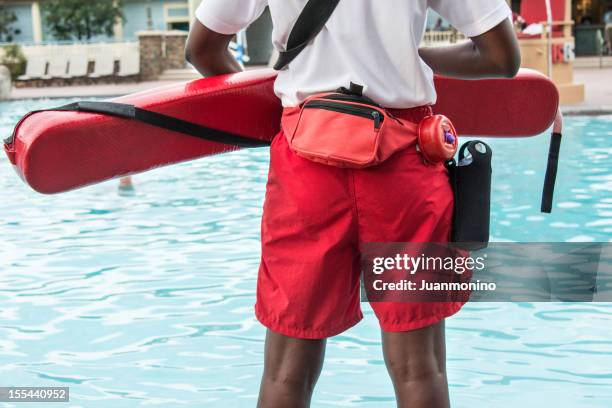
(437, 139)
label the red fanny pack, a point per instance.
(346, 129)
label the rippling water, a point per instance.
(146, 298)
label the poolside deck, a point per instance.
(598, 90)
(84, 91)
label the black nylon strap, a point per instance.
(120, 110)
(160, 120)
(551, 173)
(309, 24)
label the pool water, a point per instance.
(145, 299)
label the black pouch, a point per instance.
(471, 181)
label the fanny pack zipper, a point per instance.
(352, 98)
(362, 111)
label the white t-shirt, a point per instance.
(373, 43)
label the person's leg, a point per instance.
(416, 362)
(404, 200)
(291, 369)
(308, 280)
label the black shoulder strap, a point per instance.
(309, 24)
(160, 120)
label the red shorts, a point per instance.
(315, 219)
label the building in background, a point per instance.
(140, 15)
(143, 15)
(28, 25)
(589, 24)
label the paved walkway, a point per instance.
(598, 88)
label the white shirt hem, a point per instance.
(209, 20)
(487, 22)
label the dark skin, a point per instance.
(208, 52)
(493, 54)
(416, 360)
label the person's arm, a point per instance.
(208, 51)
(493, 54)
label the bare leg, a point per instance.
(416, 362)
(291, 370)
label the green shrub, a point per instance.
(81, 19)
(13, 58)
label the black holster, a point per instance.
(471, 181)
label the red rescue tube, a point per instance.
(519, 107)
(59, 151)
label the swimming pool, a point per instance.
(146, 298)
